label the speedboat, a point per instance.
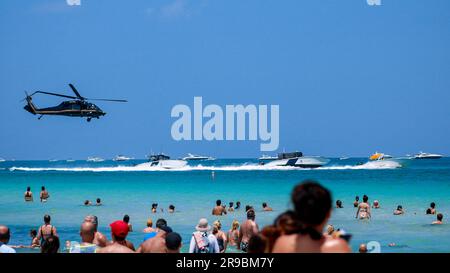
(379, 156)
(164, 161)
(122, 158)
(423, 155)
(296, 159)
(95, 159)
(197, 157)
(267, 157)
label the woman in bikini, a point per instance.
(363, 211)
(233, 233)
(46, 230)
(28, 195)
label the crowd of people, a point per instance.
(293, 231)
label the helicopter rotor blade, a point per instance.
(76, 92)
(107, 100)
(53, 94)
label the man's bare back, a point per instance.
(115, 248)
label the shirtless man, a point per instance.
(399, 210)
(363, 211)
(266, 207)
(149, 227)
(99, 239)
(248, 229)
(119, 232)
(439, 218)
(432, 208)
(313, 206)
(356, 203)
(156, 244)
(219, 210)
(28, 195)
(44, 194)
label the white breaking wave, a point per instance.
(387, 164)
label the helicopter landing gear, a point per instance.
(88, 119)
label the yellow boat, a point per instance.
(379, 156)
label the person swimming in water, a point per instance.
(28, 195)
(238, 205)
(266, 207)
(339, 204)
(432, 208)
(44, 195)
(356, 202)
(87, 203)
(399, 210)
(171, 209)
(376, 204)
(362, 248)
(439, 218)
(98, 202)
(231, 207)
(154, 207)
(126, 219)
(363, 211)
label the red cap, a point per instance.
(119, 228)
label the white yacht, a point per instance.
(296, 159)
(423, 155)
(197, 157)
(164, 161)
(122, 158)
(95, 159)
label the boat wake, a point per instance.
(386, 164)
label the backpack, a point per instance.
(201, 242)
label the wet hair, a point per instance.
(99, 200)
(248, 207)
(218, 202)
(47, 218)
(365, 198)
(399, 207)
(439, 216)
(86, 202)
(428, 211)
(28, 188)
(161, 223)
(126, 218)
(43, 188)
(238, 205)
(432, 205)
(149, 222)
(50, 245)
(357, 198)
(312, 204)
(251, 214)
(154, 205)
(172, 207)
(339, 203)
(264, 204)
(231, 204)
(257, 244)
(33, 232)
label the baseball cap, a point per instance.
(119, 228)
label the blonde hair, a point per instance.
(235, 225)
(217, 224)
(149, 222)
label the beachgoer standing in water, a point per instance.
(399, 210)
(356, 203)
(432, 208)
(149, 227)
(233, 233)
(44, 194)
(173, 243)
(363, 211)
(202, 240)
(46, 230)
(119, 232)
(87, 245)
(312, 209)
(221, 237)
(231, 207)
(126, 219)
(376, 204)
(157, 244)
(339, 204)
(28, 195)
(248, 229)
(5, 235)
(219, 210)
(100, 239)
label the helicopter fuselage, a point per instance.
(72, 108)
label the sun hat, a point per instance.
(203, 225)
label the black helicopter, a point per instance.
(79, 107)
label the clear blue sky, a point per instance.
(350, 79)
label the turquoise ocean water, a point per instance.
(125, 189)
